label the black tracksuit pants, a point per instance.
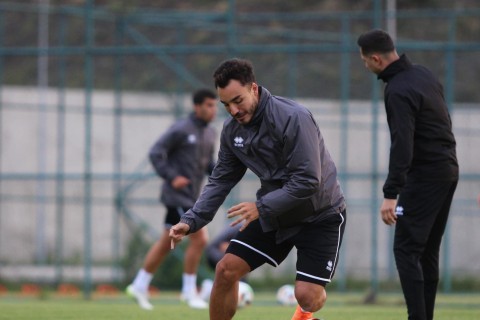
(418, 234)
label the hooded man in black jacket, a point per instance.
(423, 168)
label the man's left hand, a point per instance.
(246, 211)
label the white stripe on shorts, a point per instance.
(338, 244)
(256, 250)
(314, 277)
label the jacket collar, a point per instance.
(403, 63)
(197, 121)
(263, 98)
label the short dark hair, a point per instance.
(234, 69)
(375, 41)
(200, 95)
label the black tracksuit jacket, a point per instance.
(422, 141)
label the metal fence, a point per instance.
(84, 91)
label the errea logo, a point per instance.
(399, 211)
(329, 265)
(192, 138)
(238, 142)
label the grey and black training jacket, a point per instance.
(283, 146)
(185, 149)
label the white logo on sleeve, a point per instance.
(399, 211)
(238, 142)
(329, 265)
(192, 138)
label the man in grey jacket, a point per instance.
(182, 157)
(300, 202)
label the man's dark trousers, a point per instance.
(418, 234)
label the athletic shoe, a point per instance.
(206, 289)
(300, 315)
(194, 301)
(140, 297)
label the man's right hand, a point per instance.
(180, 182)
(177, 232)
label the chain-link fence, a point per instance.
(85, 91)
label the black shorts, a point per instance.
(173, 215)
(317, 246)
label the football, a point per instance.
(245, 294)
(286, 295)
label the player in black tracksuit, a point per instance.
(423, 169)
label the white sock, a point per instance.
(189, 284)
(142, 280)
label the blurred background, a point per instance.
(86, 87)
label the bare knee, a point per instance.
(199, 240)
(230, 269)
(200, 243)
(311, 300)
(224, 273)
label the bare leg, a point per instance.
(310, 296)
(159, 250)
(157, 253)
(224, 296)
(193, 254)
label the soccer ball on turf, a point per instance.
(245, 294)
(286, 295)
